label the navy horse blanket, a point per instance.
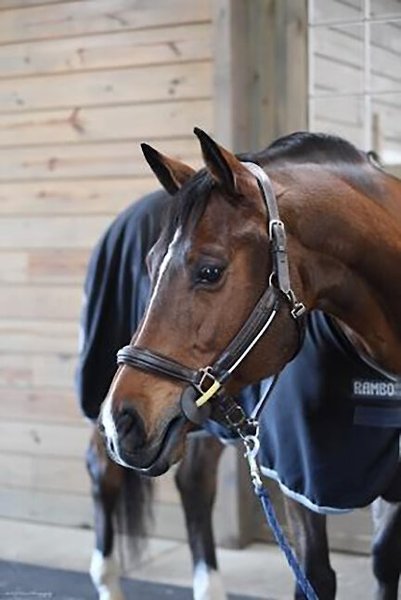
(330, 431)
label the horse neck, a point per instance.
(345, 252)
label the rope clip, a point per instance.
(252, 446)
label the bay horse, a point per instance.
(343, 222)
(115, 296)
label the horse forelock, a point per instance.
(188, 205)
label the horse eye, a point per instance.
(209, 274)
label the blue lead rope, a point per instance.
(252, 448)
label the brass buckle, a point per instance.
(207, 374)
(211, 390)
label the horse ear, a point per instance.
(171, 173)
(222, 164)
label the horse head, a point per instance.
(209, 269)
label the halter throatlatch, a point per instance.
(207, 383)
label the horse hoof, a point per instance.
(105, 576)
(207, 584)
(111, 594)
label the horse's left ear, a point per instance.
(171, 173)
(222, 164)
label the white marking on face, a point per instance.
(110, 430)
(162, 269)
(207, 583)
(105, 576)
(106, 414)
(81, 335)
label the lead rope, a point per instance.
(252, 445)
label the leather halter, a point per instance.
(207, 382)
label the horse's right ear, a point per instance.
(171, 173)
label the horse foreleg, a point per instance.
(196, 479)
(312, 550)
(386, 551)
(106, 481)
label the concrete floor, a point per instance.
(259, 570)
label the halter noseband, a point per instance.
(207, 382)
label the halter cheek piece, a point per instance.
(207, 382)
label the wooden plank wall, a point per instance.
(82, 82)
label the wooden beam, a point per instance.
(290, 68)
(231, 75)
(260, 92)
(260, 78)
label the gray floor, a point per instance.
(20, 581)
(258, 570)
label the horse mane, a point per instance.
(359, 169)
(317, 148)
(301, 147)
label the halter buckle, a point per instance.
(211, 390)
(277, 235)
(206, 375)
(298, 310)
(235, 416)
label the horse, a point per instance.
(331, 247)
(117, 283)
(116, 290)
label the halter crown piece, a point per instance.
(207, 382)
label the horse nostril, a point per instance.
(130, 428)
(111, 447)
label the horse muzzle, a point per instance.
(128, 445)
